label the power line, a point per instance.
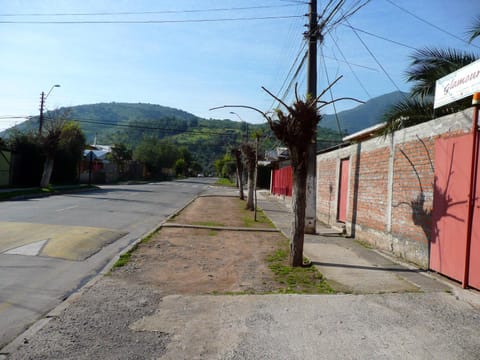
(351, 69)
(292, 67)
(345, 61)
(88, 22)
(374, 58)
(143, 127)
(113, 13)
(431, 24)
(381, 37)
(331, 95)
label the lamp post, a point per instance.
(43, 98)
(246, 124)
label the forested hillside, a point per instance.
(205, 139)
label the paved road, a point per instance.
(50, 246)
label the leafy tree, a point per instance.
(156, 155)
(51, 140)
(69, 153)
(225, 166)
(120, 155)
(181, 167)
(28, 159)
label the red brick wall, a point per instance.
(327, 184)
(368, 188)
(412, 195)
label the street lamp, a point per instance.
(246, 124)
(43, 98)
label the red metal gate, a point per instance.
(282, 181)
(343, 190)
(450, 206)
(448, 247)
(474, 256)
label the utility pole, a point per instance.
(312, 36)
(40, 122)
(43, 97)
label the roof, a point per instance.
(365, 133)
(96, 154)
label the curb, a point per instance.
(76, 294)
(231, 228)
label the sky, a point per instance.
(198, 54)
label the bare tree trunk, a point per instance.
(298, 207)
(239, 173)
(251, 183)
(47, 171)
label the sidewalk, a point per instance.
(348, 266)
(399, 313)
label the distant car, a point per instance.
(200, 175)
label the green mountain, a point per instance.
(206, 139)
(364, 115)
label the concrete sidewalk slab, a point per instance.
(347, 265)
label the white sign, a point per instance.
(457, 85)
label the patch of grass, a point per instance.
(249, 221)
(225, 182)
(125, 258)
(296, 280)
(364, 244)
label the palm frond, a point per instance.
(409, 112)
(474, 30)
(430, 64)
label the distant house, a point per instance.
(95, 167)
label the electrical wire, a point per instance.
(381, 37)
(375, 58)
(114, 13)
(143, 127)
(89, 22)
(290, 71)
(351, 69)
(331, 94)
(431, 24)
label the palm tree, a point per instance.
(474, 31)
(430, 64)
(427, 66)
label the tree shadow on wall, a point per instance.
(428, 217)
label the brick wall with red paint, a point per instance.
(327, 190)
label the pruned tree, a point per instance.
(237, 153)
(295, 128)
(250, 156)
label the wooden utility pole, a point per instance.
(40, 121)
(311, 204)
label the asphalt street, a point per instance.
(50, 246)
